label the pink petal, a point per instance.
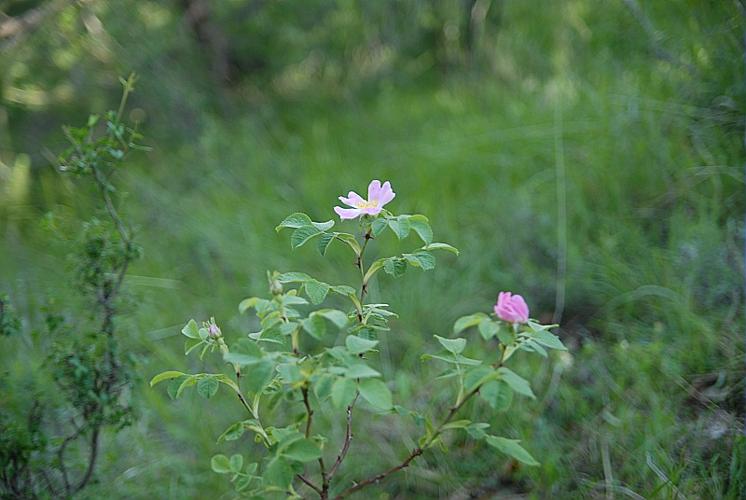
(353, 199)
(374, 189)
(372, 210)
(386, 194)
(348, 213)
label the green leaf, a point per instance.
(361, 370)
(168, 375)
(316, 290)
(345, 238)
(476, 430)
(324, 242)
(421, 226)
(323, 226)
(294, 221)
(455, 359)
(207, 387)
(188, 382)
(455, 346)
(303, 450)
(359, 345)
(511, 448)
(323, 386)
(279, 473)
(191, 330)
(290, 373)
(488, 329)
(247, 304)
(477, 376)
(293, 277)
(497, 394)
(441, 246)
(421, 259)
(378, 226)
(343, 391)
(315, 326)
(375, 266)
(303, 235)
(334, 315)
(258, 376)
(456, 424)
(236, 463)
(400, 226)
(516, 382)
(550, 340)
(376, 393)
(395, 266)
(465, 322)
(220, 464)
(232, 433)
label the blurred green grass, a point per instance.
(648, 156)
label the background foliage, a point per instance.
(594, 145)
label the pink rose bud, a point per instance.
(511, 308)
(213, 330)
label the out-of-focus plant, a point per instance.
(308, 358)
(53, 452)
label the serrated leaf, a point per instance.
(247, 304)
(188, 382)
(220, 464)
(400, 226)
(343, 391)
(455, 359)
(376, 393)
(516, 382)
(548, 339)
(294, 221)
(191, 330)
(455, 346)
(323, 226)
(315, 326)
(361, 370)
(468, 321)
(488, 329)
(278, 473)
(293, 277)
(303, 235)
(359, 345)
(456, 424)
(421, 226)
(316, 290)
(511, 448)
(236, 463)
(303, 450)
(167, 375)
(497, 394)
(395, 266)
(378, 226)
(441, 246)
(334, 315)
(207, 387)
(421, 259)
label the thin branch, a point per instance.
(91, 460)
(348, 439)
(309, 483)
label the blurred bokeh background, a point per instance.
(587, 154)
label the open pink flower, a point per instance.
(378, 196)
(511, 308)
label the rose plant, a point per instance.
(308, 358)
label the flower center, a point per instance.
(367, 204)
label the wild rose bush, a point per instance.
(308, 359)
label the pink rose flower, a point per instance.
(511, 308)
(378, 196)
